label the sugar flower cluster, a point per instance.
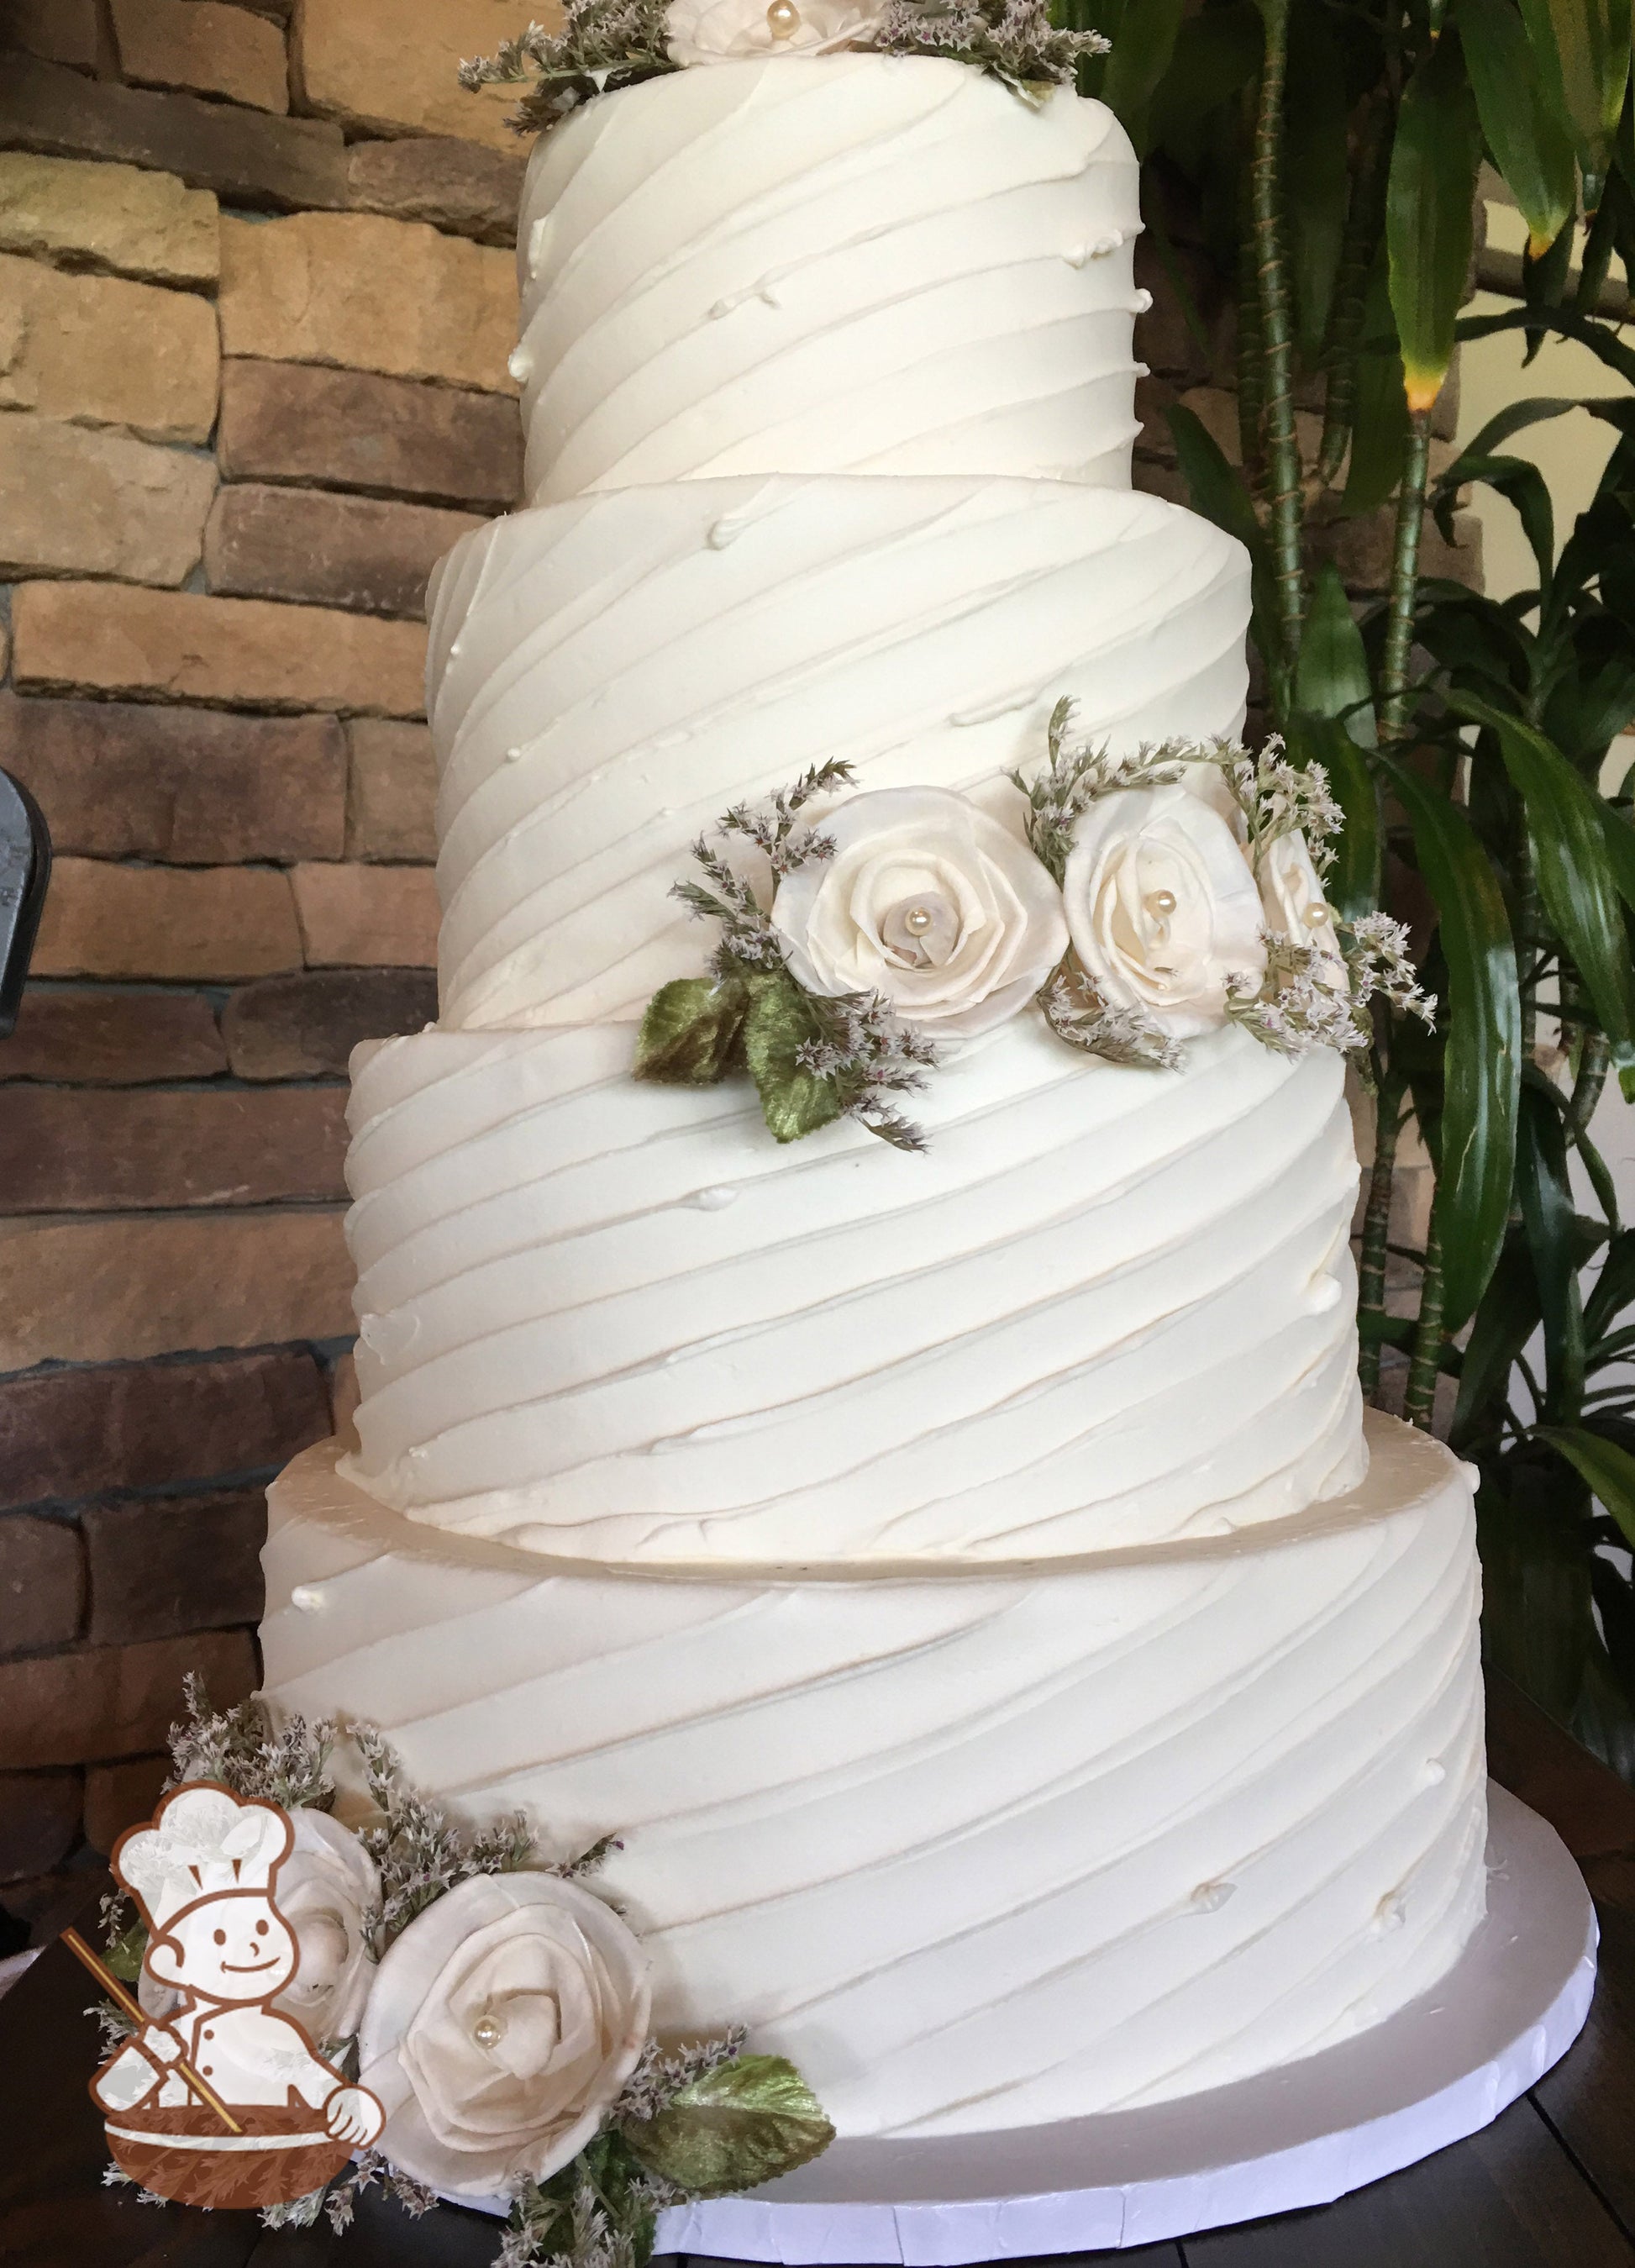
(1138, 901)
(498, 2009)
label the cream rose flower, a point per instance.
(500, 2027)
(326, 1886)
(928, 901)
(731, 31)
(1290, 894)
(1163, 907)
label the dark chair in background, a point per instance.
(25, 870)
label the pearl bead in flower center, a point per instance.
(783, 19)
(1161, 902)
(917, 920)
(485, 2032)
(1316, 915)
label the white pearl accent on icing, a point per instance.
(1209, 1898)
(306, 1598)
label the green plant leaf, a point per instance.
(1551, 1227)
(1575, 874)
(1530, 145)
(1614, 1288)
(780, 1021)
(1332, 679)
(1429, 215)
(1140, 57)
(1352, 886)
(690, 1031)
(1216, 489)
(1380, 417)
(1605, 1467)
(123, 1958)
(1482, 1068)
(1506, 1320)
(1582, 51)
(1520, 482)
(1316, 181)
(737, 2126)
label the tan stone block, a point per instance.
(205, 47)
(391, 793)
(344, 1397)
(349, 428)
(352, 61)
(360, 292)
(61, 31)
(99, 1290)
(367, 917)
(111, 637)
(368, 554)
(456, 186)
(170, 922)
(99, 350)
(130, 1150)
(150, 226)
(77, 501)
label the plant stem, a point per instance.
(1592, 1076)
(1420, 1401)
(1387, 1126)
(1399, 633)
(1350, 293)
(1283, 455)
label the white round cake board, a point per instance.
(1440, 2069)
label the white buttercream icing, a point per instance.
(860, 263)
(975, 1850)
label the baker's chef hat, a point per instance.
(203, 1840)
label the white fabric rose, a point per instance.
(1291, 893)
(500, 2027)
(1163, 907)
(732, 31)
(928, 901)
(325, 1887)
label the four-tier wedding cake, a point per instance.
(1024, 1681)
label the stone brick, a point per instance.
(118, 1796)
(243, 155)
(149, 225)
(352, 430)
(111, 1290)
(302, 1026)
(1361, 548)
(133, 1149)
(367, 917)
(40, 1815)
(369, 294)
(391, 793)
(70, 1433)
(61, 31)
(115, 1038)
(457, 186)
(42, 1583)
(203, 47)
(44, 1905)
(352, 61)
(110, 637)
(350, 551)
(192, 787)
(104, 1702)
(98, 350)
(167, 1564)
(76, 501)
(206, 922)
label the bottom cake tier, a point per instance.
(976, 1849)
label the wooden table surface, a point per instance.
(1550, 2185)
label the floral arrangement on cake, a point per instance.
(429, 1958)
(1145, 900)
(606, 44)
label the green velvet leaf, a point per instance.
(123, 1958)
(781, 1020)
(690, 1031)
(737, 2126)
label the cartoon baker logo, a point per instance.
(225, 2102)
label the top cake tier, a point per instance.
(848, 264)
